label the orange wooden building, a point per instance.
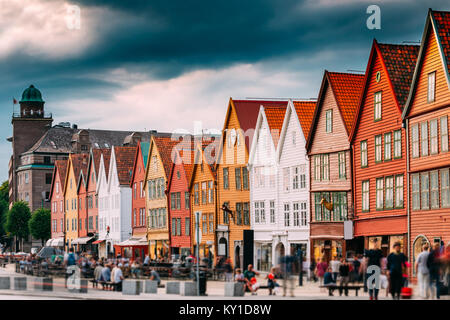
(57, 202)
(378, 142)
(427, 113)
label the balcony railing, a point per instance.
(43, 115)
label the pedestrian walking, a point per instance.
(287, 264)
(344, 274)
(228, 268)
(373, 257)
(356, 269)
(321, 268)
(312, 270)
(434, 266)
(395, 265)
(335, 264)
(117, 277)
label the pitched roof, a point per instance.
(61, 167)
(165, 146)
(96, 155)
(442, 23)
(124, 162)
(305, 113)
(347, 88)
(107, 160)
(400, 61)
(80, 164)
(247, 113)
(275, 118)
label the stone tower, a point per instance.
(29, 125)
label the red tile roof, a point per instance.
(347, 89)
(96, 154)
(247, 113)
(442, 22)
(124, 163)
(305, 113)
(106, 160)
(400, 61)
(80, 164)
(275, 118)
(165, 147)
(61, 168)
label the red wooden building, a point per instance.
(179, 202)
(378, 142)
(427, 114)
(57, 202)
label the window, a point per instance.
(317, 167)
(187, 226)
(387, 146)
(341, 161)
(389, 192)
(46, 159)
(239, 213)
(247, 213)
(399, 191)
(377, 106)
(204, 223)
(431, 86)
(317, 206)
(287, 214)
(424, 191)
(379, 194)
(286, 179)
(433, 136)
(378, 151)
(225, 178)
(434, 189)
(296, 214)
(325, 167)
(186, 200)
(397, 144)
(303, 212)
(26, 179)
(211, 223)
(272, 211)
(295, 178)
(48, 178)
(204, 193)
(293, 137)
(141, 189)
(262, 212)
(364, 153)
(340, 206)
(365, 196)
(256, 205)
(237, 175)
(444, 134)
(196, 195)
(172, 201)
(424, 137)
(245, 178)
(302, 169)
(329, 121)
(415, 140)
(135, 190)
(445, 188)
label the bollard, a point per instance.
(151, 286)
(188, 288)
(78, 287)
(131, 287)
(43, 284)
(173, 288)
(20, 283)
(234, 289)
(5, 283)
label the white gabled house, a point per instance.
(263, 168)
(291, 230)
(114, 193)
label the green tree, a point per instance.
(4, 191)
(17, 220)
(40, 224)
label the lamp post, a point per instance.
(197, 229)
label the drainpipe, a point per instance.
(405, 125)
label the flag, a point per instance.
(14, 101)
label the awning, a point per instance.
(56, 242)
(98, 241)
(49, 243)
(133, 241)
(82, 240)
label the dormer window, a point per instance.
(377, 106)
(431, 86)
(329, 121)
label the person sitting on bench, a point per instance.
(251, 281)
(105, 276)
(328, 280)
(344, 273)
(272, 283)
(154, 275)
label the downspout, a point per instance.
(405, 124)
(352, 192)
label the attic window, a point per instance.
(178, 175)
(97, 146)
(53, 144)
(106, 145)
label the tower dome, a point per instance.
(31, 94)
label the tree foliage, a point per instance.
(4, 204)
(17, 220)
(40, 224)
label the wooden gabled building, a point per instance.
(426, 114)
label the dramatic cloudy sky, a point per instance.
(158, 64)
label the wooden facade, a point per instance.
(57, 199)
(379, 147)
(427, 114)
(329, 149)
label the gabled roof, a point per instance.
(80, 164)
(199, 152)
(441, 20)
(346, 89)
(124, 157)
(399, 62)
(60, 169)
(275, 117)
(164, 146)
(439, 23)
(94, 162)
(305, 112)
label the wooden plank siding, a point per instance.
(367, 130)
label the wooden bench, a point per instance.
(333, 287)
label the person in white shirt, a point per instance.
(335, 264)
(423, 273)
(118, 277)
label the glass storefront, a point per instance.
(264, 257)
(327, 249)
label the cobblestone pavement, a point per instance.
(215, 290)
